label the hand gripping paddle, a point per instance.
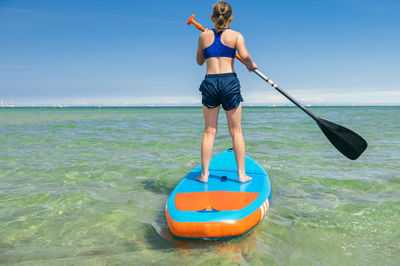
(349, 143)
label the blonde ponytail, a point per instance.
(222, 11)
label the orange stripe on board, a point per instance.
(219, 200)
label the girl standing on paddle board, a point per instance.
(217, 47)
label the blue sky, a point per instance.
(323, 52)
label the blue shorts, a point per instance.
(217, 89)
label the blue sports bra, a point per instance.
(218, 49)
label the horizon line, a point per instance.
(190, 106)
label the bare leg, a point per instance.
(210, 130)
(235, 129)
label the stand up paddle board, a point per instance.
(223, 207)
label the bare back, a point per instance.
(217, 65)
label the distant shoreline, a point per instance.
(189, 106)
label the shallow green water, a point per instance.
(89, 185)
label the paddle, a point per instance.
(349, 143)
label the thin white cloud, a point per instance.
(13, 66)
(14, 10)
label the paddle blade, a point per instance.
(349, 143)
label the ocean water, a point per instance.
(88, 186)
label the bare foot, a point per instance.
(244, 178)
(202, 178)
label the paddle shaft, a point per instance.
(284, 93)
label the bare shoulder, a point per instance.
(235, 33)
(205, 34)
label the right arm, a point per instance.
(244, 54)
(200, 57)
